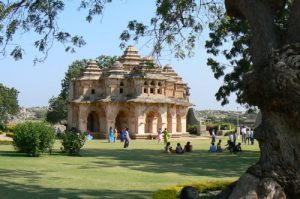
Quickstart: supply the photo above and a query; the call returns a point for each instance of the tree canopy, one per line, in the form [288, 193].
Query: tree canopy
[8, 103]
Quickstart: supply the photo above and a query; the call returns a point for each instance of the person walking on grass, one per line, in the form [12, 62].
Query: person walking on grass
[166, 136]
[122, 133]
[127, 138]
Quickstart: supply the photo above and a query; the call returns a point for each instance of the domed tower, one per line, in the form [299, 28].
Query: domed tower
[130, 59]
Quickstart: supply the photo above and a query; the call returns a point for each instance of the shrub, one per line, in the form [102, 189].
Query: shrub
[192, 129]
[202, 187]
[33, 138]
[226, 125]
[72, 142]
[2, 127]
[10, 127]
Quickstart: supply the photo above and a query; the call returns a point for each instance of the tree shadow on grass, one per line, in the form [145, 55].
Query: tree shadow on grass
[13, 190]
[198, 163]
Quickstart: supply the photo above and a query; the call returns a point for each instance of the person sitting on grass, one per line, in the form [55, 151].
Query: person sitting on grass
[219, 147]
[237, 148]
[230, 146]
[188, 147]
[168, 148]
[179, 149]
[212, 148]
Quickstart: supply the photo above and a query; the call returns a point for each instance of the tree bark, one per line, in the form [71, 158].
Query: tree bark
[273, 85]
[261, 20]
[276, 91]
[293, 35]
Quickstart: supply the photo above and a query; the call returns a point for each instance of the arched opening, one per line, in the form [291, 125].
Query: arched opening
[93, 122]
[153, 122]
[122, 120]
[178, 126]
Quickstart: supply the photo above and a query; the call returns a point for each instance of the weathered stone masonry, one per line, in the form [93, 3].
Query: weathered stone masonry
[136, 93]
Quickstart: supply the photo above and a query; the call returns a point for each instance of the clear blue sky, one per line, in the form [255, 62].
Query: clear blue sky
[37, 84]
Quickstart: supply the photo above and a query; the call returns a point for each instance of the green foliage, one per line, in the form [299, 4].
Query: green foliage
[176, 24]
[38, 16]
[191, 129]
[221, 31]
[105, 61]
[57, 110]
[10, 127]
[40, 114]
[2, 127]
[72, 142]
[75, 70]
[225, 125]
[58, 105]
[33, 138]
[8, 103]
[202, 187]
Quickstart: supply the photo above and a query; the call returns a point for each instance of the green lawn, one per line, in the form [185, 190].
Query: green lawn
[108, 171]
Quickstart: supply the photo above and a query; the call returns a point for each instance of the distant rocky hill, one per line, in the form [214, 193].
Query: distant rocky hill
[32, 113]
[227, 116]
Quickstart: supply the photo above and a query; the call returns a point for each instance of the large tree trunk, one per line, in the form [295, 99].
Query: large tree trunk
[274, 86]
[276, 91]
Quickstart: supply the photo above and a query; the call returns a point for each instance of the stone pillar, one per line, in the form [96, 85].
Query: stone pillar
[82, 117]
[111, 114]
[154, 125]
[140, 124]
[183, 124]
[182, 112]
[174, 123]
[164, 117]
[140, 117]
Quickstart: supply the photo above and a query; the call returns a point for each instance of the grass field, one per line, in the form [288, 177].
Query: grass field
[108, 171]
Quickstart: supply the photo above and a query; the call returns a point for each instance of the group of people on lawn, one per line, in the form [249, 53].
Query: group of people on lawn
[179, 150]
[168, 148]
[231, 144]
[124, 136]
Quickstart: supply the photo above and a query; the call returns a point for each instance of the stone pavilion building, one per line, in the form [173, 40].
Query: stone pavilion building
[135, 92]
